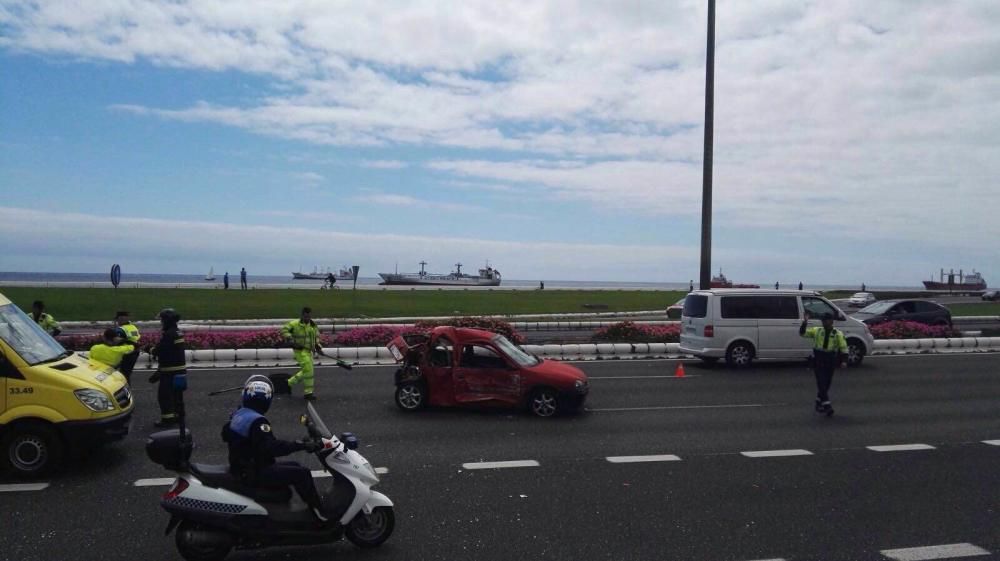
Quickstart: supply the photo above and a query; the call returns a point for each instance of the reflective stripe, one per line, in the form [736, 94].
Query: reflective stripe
[173, 368]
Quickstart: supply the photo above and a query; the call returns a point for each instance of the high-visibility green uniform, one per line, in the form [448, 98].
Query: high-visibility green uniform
[304, 337]
[110, 355]
[835, 343]
[47, 322]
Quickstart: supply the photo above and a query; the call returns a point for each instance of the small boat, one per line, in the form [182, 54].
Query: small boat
[211, 274]
[488, 276]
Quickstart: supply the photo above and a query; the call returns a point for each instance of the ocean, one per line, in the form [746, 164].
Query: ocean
[133, 280]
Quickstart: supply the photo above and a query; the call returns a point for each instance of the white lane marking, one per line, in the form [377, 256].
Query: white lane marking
[318, 473]
[900, 447]
[18, 487]
[776, 453]
[666, 408]
[948, 551]
[154, 481]
[668, 377]
[636, 459]
[775, 559]
[497, 465]
[992, 442]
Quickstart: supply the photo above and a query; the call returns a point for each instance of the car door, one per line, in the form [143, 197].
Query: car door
[483, 374]
[905, 311]
[439, 366]
[777, 326]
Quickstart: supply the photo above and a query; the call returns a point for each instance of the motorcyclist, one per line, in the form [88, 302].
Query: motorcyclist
[253, 447]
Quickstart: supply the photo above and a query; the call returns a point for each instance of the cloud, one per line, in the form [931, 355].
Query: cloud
[389, 199]
[308, 177]
[384, 164]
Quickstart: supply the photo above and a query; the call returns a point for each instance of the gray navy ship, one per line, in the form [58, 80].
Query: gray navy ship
[488, 276]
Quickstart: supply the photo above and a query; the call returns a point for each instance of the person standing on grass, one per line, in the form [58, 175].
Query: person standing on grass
[132, 338]
[243, 278]
[225, 281]
[303, 334]
[44, 320]
[829, 352]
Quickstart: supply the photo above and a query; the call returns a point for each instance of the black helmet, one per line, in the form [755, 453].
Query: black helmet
[169, 315]
[257, 393]
[827, 316]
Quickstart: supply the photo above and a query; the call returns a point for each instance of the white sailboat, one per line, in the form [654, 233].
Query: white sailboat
[211, 274]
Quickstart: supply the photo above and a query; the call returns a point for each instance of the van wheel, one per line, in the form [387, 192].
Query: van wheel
[855, 353]
[739, 354]
[31, 449]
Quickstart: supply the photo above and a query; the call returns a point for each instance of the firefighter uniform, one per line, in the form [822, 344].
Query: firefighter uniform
[170, 356]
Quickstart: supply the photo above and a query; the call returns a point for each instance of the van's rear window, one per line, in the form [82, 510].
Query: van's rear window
[695, 306]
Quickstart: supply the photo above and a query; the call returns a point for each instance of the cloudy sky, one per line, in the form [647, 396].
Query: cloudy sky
[854, 140]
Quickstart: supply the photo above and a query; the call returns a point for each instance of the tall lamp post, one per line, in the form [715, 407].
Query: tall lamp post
[705, 281]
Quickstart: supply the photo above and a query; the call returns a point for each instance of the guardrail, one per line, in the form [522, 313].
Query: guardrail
[229, 358]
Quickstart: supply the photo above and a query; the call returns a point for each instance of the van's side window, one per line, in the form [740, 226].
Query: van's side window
[759, 307]
[817, 307]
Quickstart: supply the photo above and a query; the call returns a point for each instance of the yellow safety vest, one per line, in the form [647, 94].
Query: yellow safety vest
[112, 356]
[835, 343]
[303, 335]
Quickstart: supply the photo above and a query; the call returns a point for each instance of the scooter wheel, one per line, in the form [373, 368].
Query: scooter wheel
[198, 543]
[371, 530]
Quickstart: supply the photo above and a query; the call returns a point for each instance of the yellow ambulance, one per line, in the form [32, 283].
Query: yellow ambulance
[52, 400]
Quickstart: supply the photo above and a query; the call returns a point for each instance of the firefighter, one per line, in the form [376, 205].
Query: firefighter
[169, 353]
[303, 334]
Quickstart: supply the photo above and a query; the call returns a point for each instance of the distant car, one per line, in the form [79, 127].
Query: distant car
[861, 299]
[992, 295]
[674, 312]
[462, 367]
[921, 311]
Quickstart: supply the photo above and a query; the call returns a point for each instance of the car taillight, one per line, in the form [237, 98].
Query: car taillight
[179, 487]
[709, 331]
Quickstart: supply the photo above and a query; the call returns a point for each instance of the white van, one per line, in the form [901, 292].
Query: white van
[741, 325]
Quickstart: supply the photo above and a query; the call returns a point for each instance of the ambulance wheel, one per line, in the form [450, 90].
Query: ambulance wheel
[31, 449]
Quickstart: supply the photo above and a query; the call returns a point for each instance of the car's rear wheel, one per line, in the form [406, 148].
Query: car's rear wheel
[544, 402]
[855, 353]
[740, 354]
[411, 396]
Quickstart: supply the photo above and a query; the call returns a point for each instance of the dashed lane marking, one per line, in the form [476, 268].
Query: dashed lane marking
[948, 551]
[637, 459]
[154, 482]
[900, 447]
[19, 487]
[672, 407]
[500, 465]
[992, 442]
[776, 453]
[666, 376]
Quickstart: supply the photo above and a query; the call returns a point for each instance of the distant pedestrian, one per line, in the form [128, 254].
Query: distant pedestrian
[303, 334]
[132, 337]
[112, 350]
[330, 281]
[225, 281]
[169, 353]
[243, 278]
[862, 287]
[44, 320]
[800, 285]
[541, 285]
[691, 286]
[829, 352]
[776, 286]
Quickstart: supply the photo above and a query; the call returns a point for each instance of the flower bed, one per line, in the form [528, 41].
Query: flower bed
[631, 332]
[489, 324]
[912, 330]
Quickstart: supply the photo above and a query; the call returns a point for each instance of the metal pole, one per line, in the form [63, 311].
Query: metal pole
[706, 185]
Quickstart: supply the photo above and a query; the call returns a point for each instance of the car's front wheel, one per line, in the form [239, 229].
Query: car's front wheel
[411, 396]
[544, 402]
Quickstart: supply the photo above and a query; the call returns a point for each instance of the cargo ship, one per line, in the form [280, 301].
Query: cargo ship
[344, 274]
[972, 281]
[488, 276]
[720, 281]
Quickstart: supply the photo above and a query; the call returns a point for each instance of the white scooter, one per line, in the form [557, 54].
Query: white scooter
[213, 512]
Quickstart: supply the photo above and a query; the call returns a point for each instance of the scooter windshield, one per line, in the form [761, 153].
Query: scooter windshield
[317, 422]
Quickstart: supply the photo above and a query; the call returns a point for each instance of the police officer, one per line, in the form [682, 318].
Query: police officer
[253, 447]
[169, 353]
[132, 338]
[829, 351]
[44, 320]
[113, 350]
[303, 334]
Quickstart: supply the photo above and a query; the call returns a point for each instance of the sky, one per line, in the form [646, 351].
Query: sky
[855, 141]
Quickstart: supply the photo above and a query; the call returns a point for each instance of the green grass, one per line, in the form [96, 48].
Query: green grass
[67, 304]
[984, 309]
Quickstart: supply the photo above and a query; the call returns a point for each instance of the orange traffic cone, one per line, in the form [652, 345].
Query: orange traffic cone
[679, 373]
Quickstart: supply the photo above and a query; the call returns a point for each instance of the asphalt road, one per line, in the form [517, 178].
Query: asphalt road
[842, 500]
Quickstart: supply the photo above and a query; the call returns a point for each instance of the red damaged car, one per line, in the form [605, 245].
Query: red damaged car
[455, 366]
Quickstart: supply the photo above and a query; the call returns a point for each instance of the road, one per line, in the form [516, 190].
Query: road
[837, 500]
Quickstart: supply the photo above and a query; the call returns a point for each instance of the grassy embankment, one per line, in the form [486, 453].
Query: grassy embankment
[68, 304]
[984, 309]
